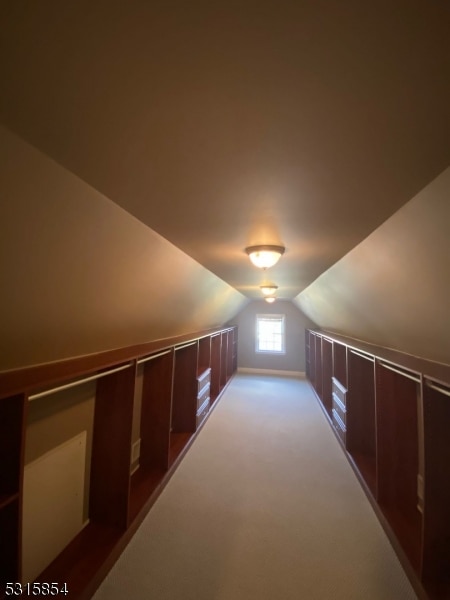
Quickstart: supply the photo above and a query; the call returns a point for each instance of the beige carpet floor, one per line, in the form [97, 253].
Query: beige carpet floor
[263, 506]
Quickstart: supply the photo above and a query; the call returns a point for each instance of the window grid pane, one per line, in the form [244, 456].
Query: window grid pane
[270, 333]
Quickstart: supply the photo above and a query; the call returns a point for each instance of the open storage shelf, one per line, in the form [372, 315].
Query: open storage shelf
[164, 409]
[204, 355]
[154, 428]
[234, 357]
[327, 374]
[144, 482]
[312, 358]
[318, 366]
[230, 351]
[361, 436]
[223, 358]
[340, 363]
[216, 349]
[436, 546]
[110, 462]
[391, 412]
[178, 443]
[9, 547]
[308, 336]
[399, 467]
[11, 461]
[84, 559]
[184, 398]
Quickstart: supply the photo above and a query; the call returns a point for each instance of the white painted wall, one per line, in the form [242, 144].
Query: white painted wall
[393, 289]
[296, 323]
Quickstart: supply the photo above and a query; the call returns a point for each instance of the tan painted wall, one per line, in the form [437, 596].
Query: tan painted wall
[393, 289]
[80, 275]
[295, 324]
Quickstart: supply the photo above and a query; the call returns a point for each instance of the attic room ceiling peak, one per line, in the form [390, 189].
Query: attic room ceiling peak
[336, 114]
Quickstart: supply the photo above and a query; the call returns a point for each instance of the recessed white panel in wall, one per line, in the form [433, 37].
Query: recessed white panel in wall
[52, 504]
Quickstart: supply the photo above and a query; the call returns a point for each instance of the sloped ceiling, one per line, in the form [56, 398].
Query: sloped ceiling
[81, 275]
[393, 289]
[220, 125]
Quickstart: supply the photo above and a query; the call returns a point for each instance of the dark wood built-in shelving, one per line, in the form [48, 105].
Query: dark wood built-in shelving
[400, 470]
[318, 366]
[391, 413]
[340, 363]
[12, 412]
[436, 530]
[327, 373]
[361, 425]
[216, 351]
[184, 389]
[312, 358]
[180, 378]
[223, 358]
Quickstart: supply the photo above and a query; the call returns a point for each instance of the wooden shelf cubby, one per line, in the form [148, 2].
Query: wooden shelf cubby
[391, 413]
[110, 462]
[312, 358]
[230, 349]
[10, 535]
[340, 363]
[318, 366]
[436, 530]
[155, 414]
[327, 374]
[184, 391]
[400, 469]
[308, 336]
[223, 358]
[234, 358]
[361, 425]
[215, 366]
[12, 411]
[204, 354]
[140, 416]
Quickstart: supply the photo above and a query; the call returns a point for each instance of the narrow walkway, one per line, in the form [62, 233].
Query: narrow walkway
[263, 507]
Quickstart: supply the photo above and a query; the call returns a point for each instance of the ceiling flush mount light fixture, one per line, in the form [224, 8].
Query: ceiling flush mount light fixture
[264, 256]
[270, 299]
[268, 290]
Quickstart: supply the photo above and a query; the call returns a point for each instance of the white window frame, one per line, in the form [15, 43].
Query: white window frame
[271, 317]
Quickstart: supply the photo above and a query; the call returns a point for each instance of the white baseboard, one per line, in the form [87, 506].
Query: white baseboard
[271, 372]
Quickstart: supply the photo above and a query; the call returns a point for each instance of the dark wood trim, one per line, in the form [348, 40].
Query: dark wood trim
[34, 378]
[411, 574]
[118, 501]
[112, 550]
[429, 368]
[12, 423]
[111, 449]
[184, 395]
[327, 373]
[397, 441]
[156, 412]
[215, 366]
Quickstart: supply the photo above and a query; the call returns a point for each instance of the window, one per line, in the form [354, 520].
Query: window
[270, 334]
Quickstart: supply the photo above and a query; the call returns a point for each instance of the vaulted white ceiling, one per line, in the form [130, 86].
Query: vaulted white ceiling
[221, 125]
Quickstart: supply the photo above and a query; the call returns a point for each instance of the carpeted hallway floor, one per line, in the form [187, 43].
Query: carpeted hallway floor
[263, 506]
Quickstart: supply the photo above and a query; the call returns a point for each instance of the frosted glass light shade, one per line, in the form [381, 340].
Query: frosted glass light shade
[264, 256]
[268, 290]
[269, 299]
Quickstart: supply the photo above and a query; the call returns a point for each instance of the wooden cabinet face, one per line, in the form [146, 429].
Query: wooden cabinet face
[392, 413]
[176, 379]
